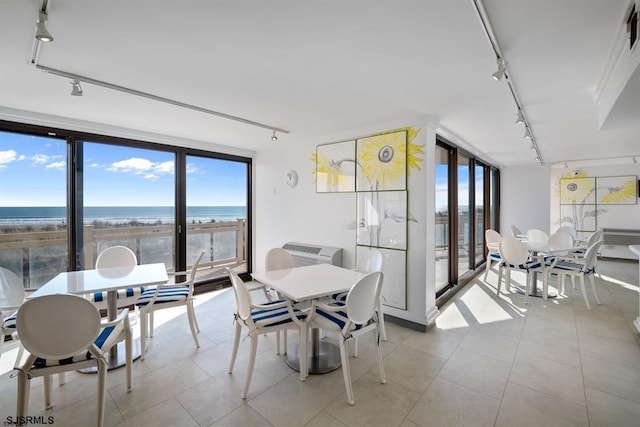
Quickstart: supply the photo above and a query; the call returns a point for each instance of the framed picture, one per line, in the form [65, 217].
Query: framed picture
[336, 167]
[617, 190]
[582, 217]
[576, 191]
[382, 162]
[382, 219]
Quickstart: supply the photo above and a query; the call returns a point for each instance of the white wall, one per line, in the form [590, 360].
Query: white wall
[300, 214]
[524, 198]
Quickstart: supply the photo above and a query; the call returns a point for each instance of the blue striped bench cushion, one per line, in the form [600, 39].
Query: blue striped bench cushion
[166, 294]
[266, 317]
[106, 336]
[100, 297]
[10, 322]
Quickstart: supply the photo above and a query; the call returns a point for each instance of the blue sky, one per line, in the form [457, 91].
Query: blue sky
[33, 173]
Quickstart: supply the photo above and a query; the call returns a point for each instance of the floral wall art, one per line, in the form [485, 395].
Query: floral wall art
[376, 167]
[617, 190]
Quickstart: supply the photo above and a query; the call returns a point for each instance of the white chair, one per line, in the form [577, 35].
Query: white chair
[358, 316]
[516, 232]
[570, 230]
[558, 245]
[113, 257]
[12, 294]
[574, 268]
[63, 333]
[579, 251]
[537, 237]
[167, 296]
[274, 316]
[515, 256]
[492, 239]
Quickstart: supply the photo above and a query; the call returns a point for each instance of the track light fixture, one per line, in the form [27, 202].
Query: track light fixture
[527, 134]
[635, 159]
[520, 117]
[41, 31]
[76, 89]
[502, 68]
[273, 136]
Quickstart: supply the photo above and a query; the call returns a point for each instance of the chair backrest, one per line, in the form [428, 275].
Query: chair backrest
[569, 229]
[492, 238]
[373, 262]
[116, 256]
[560, 240]
[194, 269]
[57, 326]
[515, 231]
[11, 290]
[591, 256]
[363, 298]
[278, 259]
[597, 235]
[513, 251]
[537, 236]
[243, 298]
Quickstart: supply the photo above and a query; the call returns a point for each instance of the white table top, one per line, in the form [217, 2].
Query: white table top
[104, 279]
[309, 282]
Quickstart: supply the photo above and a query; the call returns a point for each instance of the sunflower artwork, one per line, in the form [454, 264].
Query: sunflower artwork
[617, 190]
[382, 161]
[335, 167]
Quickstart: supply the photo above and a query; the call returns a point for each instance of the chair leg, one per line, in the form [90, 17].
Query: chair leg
[143, 333]
[236, 342]
[561, 280]
[499, 281]
[102, 379]
[355, 347]
[128, 349]
[584, 292]
[284, 341]
[303, 346]
[383, 328]
[593, 286]
[545, 285]
[346, 371]
[23, 395]
[378, 344]
[150, 314]
[277, 342]
[191, 315]
[252, 361]
[488, 267]
[47, 391]
[60, 379]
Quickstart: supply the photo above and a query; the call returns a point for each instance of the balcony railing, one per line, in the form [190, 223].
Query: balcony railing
[40, 255]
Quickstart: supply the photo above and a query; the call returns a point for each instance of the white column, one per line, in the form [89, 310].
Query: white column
[636, 250]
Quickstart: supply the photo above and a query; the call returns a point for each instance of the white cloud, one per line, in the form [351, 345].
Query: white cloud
[164, 167]
[40, 159]
[8, 157]
[192, 168]
[144, 167]
[57, 165]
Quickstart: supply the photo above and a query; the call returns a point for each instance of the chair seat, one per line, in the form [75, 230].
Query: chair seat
[340, 297]
[266, 317]
[529, 265]
[572, 266]
[10, 322]
[100, 342]
[496, 256]
[99, 297]
[339, 318]
[165, 295]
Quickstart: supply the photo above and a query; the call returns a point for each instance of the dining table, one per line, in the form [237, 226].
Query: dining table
[107, 280]
[308, 283]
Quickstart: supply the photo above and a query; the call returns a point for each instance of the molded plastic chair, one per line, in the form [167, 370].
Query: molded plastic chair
[357, 317]
[63, 333]
[12, 294]
[274, 316]
[574, 268]
[559, 245]
[492, 239]
[516, 232]
[112, 257]
[515, 256]
[570, 230]
[537, 237]
[166, 296]
[276, 259]
[579, 251]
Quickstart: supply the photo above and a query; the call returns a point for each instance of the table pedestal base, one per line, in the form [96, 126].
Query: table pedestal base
[326, 360]
[536, 292]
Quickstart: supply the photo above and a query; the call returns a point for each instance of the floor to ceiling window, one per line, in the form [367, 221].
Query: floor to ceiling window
[165, 203]
[466, 205]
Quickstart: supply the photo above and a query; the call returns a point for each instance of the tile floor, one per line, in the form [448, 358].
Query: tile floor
[486, 361]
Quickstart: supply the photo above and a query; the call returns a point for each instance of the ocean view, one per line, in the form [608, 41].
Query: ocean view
[118, 214]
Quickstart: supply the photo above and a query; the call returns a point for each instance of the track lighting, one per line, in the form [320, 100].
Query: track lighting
[41, 31]
[635, 159]
[502, 68]
[76, 89]
[273, 136]
[520, 117]
[527, 134]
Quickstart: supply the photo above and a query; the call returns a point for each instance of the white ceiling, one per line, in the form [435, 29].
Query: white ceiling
[326, 68]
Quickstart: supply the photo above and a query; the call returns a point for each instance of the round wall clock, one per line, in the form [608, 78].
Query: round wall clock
[292, 178]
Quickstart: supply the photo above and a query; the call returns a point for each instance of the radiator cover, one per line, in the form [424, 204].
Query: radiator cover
[309, 254]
